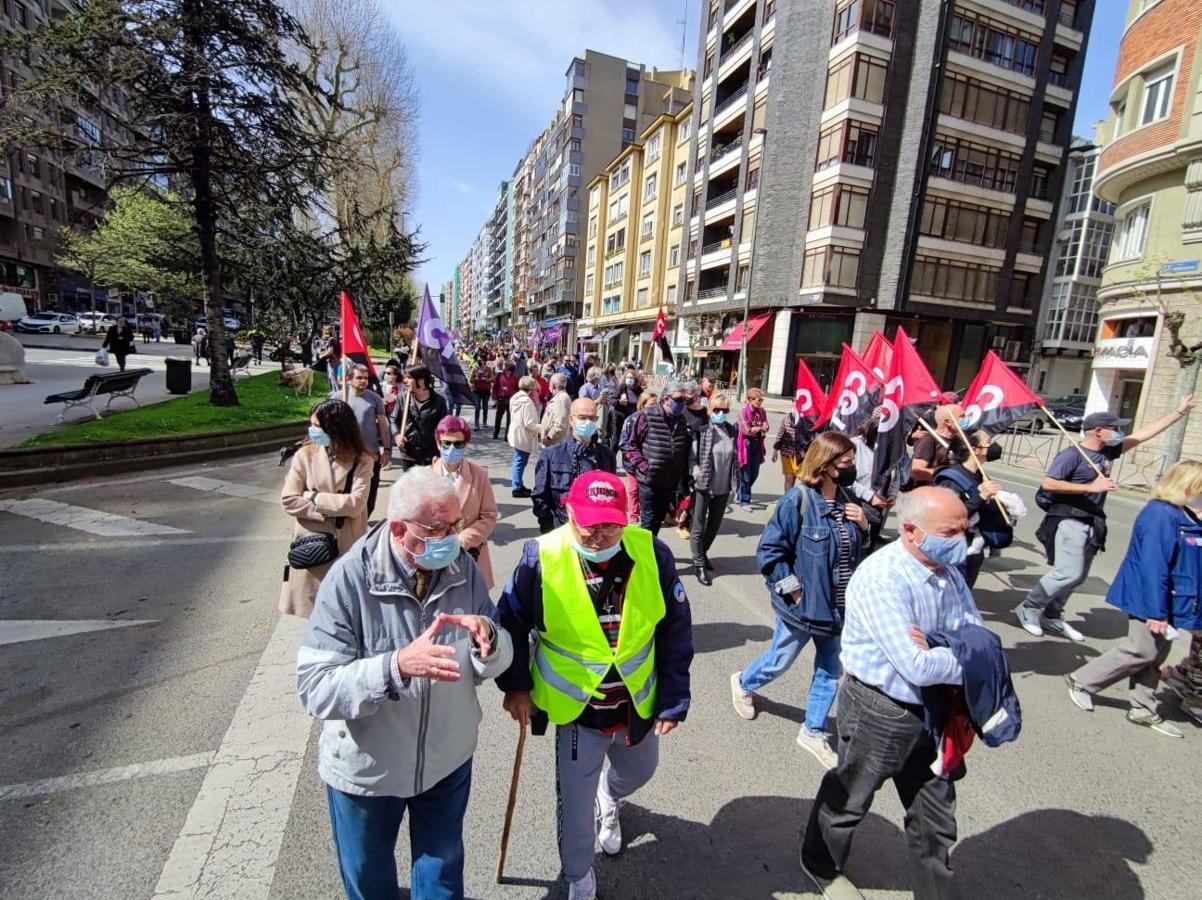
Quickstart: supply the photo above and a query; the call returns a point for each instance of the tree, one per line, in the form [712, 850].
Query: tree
[213, 102]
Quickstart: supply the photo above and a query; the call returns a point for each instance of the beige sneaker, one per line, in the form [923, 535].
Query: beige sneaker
[1153, 721]
[584, 889]
[837, 888]
[819, 745]
[744, 701]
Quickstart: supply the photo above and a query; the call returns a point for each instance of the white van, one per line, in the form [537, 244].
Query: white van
[12, 309]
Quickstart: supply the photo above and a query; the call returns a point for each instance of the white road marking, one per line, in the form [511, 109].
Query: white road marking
[107, 546]
[229, 488]
[104, 776]
[157, 476]
[231, 839]
[80, 518]
[16, 631]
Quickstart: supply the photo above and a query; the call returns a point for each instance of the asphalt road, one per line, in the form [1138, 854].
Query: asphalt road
[154, 747]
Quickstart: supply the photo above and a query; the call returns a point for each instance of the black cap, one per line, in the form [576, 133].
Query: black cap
[1103, 420]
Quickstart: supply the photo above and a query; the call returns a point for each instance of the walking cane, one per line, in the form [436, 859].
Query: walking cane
[513, 798]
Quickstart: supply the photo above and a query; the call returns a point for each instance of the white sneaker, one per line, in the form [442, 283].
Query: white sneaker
[819, 746]
[584, 889]
[609, 829]
[1083, 699]
[744, 701]
[1063, 629]
[1030, 619]
[1153, 721]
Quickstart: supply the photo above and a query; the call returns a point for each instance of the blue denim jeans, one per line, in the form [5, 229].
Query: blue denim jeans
[520, 458]
[749, 473]
[787, 644]
[365, 833]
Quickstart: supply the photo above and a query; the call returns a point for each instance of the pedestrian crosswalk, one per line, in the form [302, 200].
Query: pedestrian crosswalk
[80, 518]
[229, 488]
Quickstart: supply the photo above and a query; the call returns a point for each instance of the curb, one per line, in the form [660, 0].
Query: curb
[42, 465]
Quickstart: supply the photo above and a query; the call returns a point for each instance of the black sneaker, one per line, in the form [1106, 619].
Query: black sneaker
[522, 492]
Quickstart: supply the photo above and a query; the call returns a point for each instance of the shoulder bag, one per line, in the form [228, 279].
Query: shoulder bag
[319, 548]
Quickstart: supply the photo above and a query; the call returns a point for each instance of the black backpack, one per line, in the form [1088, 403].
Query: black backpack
[993, 528]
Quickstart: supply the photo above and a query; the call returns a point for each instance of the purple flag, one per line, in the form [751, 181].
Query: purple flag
[437, 349]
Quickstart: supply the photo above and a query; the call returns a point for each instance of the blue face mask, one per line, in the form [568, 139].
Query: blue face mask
[597, 556]
[678, 405]
[585, 429]
[1116, 438]
[439, 552]
[452, 455]
[718, 417]
[947, 551]
[318, 437]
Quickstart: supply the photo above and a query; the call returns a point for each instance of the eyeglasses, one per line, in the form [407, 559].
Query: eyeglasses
[441, 529]
[585, 418]
[721, 409]
[458, 445]
[607, 530]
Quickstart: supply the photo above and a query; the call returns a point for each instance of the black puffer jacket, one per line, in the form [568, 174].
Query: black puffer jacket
[419, 429]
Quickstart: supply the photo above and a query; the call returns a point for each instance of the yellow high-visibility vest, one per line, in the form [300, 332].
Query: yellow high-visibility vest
[573, 655]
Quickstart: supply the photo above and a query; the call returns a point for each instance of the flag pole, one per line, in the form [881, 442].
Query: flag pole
[933, 433]
[980, 465]
[1085, 456]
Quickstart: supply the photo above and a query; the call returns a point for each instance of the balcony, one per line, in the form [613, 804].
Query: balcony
[716, 245]
[734, 48]
[714, 292]
[719, 153]
[721, 198]
[731, 100]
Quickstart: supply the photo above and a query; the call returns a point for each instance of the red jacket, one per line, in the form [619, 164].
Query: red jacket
[505, 386]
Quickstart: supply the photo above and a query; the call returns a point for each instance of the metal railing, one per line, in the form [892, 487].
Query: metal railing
[719, 153]
[730, 101]
[1035, 450]
[710, 293]
[736, 47]
[721, 198]
[723, 244]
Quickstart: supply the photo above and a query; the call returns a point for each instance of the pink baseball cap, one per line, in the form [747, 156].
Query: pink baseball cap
[598, 498]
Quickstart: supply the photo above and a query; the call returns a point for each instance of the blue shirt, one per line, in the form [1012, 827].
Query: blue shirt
[889, 592]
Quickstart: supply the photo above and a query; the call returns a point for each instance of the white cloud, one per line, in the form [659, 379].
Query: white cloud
[519, 50]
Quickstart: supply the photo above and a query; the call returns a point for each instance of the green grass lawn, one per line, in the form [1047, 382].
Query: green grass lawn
[263, 402]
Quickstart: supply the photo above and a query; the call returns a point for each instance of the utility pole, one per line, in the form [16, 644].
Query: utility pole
[741, 378]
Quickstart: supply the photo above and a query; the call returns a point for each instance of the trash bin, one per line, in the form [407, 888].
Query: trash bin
[179, 375]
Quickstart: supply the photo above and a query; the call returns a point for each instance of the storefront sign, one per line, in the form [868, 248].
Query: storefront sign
[27, 293]
[1123, 353]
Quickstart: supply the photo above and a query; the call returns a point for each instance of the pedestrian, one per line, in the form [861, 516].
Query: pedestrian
[591, 389]
[483, 376]
[503, 388]
[159, 325]
[610, 668]
[707, 387]
[200, 346]
[257, 340]
[426, 409]
[391, 389]
[792, 438]
[525, 434]
[753, 425]
[1157, 587]
[656, 451]
[807, 554]
[902, 592]
[1185, 679]
[697, 420]
[556, 422]
[146, 329]
[931, 453]
[325, 491]
[1074, 525]
[372, 416]
[569, 368]
[623, 405]
[401, 636]
[472, 486]
[544, 380]
[119, 341]
[562, 464]
[987, 529]
[715, 474]
[633, 509]
[876, 504]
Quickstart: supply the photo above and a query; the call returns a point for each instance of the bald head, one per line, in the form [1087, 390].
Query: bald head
[584, 408]
[932, 511]
[584, 419]
[948, 414]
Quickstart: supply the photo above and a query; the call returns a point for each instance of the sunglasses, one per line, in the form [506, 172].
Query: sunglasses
[721, 409]
[458, 445]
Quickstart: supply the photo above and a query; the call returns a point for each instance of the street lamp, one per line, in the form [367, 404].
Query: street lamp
[741, 378]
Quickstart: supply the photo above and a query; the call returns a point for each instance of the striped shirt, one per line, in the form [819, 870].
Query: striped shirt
[889, 592]
[607, 588]
[841, 529]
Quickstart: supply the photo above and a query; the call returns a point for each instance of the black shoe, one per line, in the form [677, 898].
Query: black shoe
[522, 492]
[709, 565]
[704, 576]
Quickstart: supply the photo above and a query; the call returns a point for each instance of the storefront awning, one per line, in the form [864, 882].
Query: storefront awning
[611, 334]
[734, 340]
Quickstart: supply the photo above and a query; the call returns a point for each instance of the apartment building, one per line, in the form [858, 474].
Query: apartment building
[635, 228]
[40, 192]
[1150, 168]
[500, 259]
[607, 103]
[1068, 314]
[860, 164]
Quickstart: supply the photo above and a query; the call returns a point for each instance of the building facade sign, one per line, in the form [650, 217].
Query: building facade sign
[1123, 353]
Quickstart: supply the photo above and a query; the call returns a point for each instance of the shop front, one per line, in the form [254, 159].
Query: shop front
[1122, 357]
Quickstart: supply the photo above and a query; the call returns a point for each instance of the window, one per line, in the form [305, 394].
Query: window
[678, 214]
[643, 297]
[33, 165]
[39, 233]
[1158, 95]
[681, 173]
[589, 283]
[87, 130]
[972, 100]
[577, 95]
[671, 293]
[21, 14]
[953, 280]
[614, 184]
[951, 220]
[624, 173]
[753, 178]
[875, 16]
[974, 164]
[648, 225]
[653, 148]
[592, 255]
[674, 256]
[644, 264]
[996, 43]
[1130, 233]
[35, 201]
[1049, 126]
[850, 142]
[840, 204]
[615, 241]
[650, 186]
[6, 188]
[833, 266]
[686, 129]
[592, 227]
[574, 145]
[859, 76]
[1072, 313]
[1120, 113]
[611, 304]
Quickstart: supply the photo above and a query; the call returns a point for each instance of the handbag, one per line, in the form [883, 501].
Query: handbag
[320, 548]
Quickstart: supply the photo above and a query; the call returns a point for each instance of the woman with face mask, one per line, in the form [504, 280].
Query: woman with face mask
[753, 425]
[325, 491]
[623, 403]
[986, 527]
[715, 475]
[453, 436]
[811, 546]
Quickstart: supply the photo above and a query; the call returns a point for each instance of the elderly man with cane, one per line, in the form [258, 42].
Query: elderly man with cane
[402, 632]
[610, 666]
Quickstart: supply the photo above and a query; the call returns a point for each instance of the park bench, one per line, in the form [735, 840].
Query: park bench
[240, 364]
[115, 384]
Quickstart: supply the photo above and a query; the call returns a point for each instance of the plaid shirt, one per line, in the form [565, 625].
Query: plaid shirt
[889, 592]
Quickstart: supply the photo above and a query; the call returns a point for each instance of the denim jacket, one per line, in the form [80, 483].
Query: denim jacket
[799, 551]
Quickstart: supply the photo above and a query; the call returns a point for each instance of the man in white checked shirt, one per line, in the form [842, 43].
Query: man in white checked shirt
[908, 589]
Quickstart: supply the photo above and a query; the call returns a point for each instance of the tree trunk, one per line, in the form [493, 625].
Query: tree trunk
[1187, 383]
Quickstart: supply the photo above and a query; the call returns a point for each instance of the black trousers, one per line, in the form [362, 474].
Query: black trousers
[881, 740]
[502, 411]
[654, 503]
[120, 360]
[374, 490]
[481, 409]
[708, 512]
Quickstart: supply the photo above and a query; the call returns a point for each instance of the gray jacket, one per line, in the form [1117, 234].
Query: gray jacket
[383, 736]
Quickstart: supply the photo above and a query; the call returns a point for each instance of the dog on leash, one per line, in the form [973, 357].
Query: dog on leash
[299, 378]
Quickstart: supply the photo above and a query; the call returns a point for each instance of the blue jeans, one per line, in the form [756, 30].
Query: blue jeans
[365, 833]
[749, 473]
[520, 458]
[787, 643]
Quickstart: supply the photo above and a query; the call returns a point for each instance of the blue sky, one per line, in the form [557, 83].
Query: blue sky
[491, 72]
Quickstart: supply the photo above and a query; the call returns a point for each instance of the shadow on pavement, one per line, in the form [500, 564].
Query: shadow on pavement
[1048, 656]
[710, 637]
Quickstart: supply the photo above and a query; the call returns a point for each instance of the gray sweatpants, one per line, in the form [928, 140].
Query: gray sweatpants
[1137, 658]
[579, 756]
[1074, 555]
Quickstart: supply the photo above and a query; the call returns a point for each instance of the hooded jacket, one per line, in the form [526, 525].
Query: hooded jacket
[382, 736]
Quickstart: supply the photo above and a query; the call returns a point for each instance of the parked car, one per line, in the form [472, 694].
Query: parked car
[1069, 411]
[49, 323]
[97, 321]
[230, 323]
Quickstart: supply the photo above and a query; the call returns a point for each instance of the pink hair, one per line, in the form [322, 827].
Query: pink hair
[451, 424]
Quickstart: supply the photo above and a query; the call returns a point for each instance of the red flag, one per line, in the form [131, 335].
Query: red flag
[879, 355]
[851, 398]
[808, 399]
[909, 392]
[659, 335]
[354, 345]
[997, 397]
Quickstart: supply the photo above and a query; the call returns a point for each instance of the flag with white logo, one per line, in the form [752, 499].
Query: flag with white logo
[438, 351]
[850, 402]
[997, 397]
[808, 398]
[910, 392]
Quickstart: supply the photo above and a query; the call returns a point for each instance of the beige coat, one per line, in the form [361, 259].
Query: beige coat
[556, 425]
[480, 513]
[312, 471]
[524, 432]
